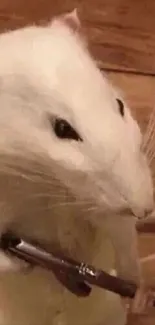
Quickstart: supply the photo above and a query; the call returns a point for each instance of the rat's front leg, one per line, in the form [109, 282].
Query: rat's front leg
[142, 307]
[124, 238]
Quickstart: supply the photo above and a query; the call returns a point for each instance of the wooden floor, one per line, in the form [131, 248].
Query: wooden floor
[122, 39]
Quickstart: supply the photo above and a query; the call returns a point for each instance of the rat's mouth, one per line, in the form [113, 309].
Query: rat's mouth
[75, 276]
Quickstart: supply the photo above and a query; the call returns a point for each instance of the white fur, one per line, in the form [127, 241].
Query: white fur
[47, 71]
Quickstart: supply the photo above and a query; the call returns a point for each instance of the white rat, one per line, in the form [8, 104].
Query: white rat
[71, 170]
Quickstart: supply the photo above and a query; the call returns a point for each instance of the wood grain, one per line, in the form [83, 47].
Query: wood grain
[121, 32]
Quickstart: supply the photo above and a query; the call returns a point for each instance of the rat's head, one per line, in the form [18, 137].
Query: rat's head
[58, 107]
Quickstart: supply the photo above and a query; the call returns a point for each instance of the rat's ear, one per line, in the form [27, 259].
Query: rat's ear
[71, 19]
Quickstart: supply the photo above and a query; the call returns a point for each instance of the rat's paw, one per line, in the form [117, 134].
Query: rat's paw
[9, 264]
[143, 300]
[141, 307]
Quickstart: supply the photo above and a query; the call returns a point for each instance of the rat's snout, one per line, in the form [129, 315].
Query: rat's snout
[140, 189]
[145, 214]
[144, 211]
[145, 200]
[141, 199]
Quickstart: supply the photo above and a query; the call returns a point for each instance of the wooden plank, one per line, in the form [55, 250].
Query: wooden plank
[121, 31]
[147, 227]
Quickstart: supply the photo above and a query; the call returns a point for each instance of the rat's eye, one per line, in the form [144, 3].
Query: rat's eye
[64, 130]
[120, 106]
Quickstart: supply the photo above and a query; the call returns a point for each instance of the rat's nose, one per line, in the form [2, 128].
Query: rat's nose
[145, 214]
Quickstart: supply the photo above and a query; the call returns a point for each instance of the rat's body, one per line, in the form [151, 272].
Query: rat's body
[71, 168]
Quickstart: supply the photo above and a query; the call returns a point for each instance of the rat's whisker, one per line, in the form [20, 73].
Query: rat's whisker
[94, 208]
[149, 130]
[82, 206]
[48, 195]
[151, 158]
[60, 197]
[149, 143]
[29, 177]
